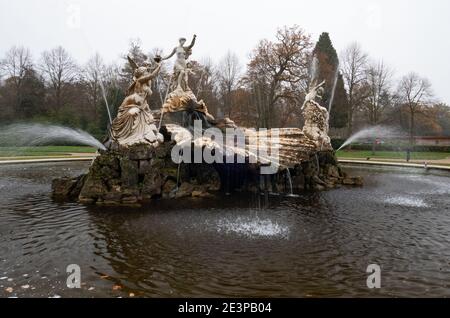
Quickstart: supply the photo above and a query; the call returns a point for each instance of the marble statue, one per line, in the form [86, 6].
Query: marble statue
[132, 171]
[181, 97]
[181, 67]
[316, 118]
[134, 123]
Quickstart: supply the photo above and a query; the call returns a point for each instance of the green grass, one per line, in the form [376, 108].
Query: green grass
[392, 155]
[44, 151]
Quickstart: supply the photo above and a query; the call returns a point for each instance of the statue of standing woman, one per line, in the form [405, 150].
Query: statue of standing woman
[181, 69]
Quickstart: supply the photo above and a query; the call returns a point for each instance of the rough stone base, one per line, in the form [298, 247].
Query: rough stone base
[142, 173]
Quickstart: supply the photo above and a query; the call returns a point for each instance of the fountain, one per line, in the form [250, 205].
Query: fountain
[372, 132]
[333, 89]
[142, 160]
[29, 135]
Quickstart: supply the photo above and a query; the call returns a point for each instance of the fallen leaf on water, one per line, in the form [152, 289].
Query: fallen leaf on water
[117, 287]
[25, 286]
[132, 295]
[9, 290]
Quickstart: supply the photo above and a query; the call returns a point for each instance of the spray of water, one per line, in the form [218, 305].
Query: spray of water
[314, 69]
[165, 99]
[106, 101]
[28, 135]
[291, 189]
[201, 82]
[253, 227]
[333, 91]
[373, 132]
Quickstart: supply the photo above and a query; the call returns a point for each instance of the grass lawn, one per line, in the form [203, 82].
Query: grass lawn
[44, 151]
[392, 155]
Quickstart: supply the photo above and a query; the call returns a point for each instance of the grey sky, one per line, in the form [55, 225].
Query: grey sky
[409, 35]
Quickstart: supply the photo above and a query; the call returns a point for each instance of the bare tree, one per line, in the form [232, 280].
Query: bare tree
[93, 73]
[415, 92]
[14, 66]
[353, 66]
[60, 70]
[279, 70]
[202, 82]
[378, 80]
[137, 54]
[228, 74]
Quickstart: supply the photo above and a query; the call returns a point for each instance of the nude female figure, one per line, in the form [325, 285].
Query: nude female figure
[181, 68]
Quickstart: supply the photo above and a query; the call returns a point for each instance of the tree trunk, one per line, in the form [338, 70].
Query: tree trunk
[350, 121]
[411, 128]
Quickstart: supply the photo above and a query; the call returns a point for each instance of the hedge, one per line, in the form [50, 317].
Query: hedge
[337, 143]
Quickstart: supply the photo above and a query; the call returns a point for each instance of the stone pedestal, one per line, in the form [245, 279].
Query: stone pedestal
[143, 173]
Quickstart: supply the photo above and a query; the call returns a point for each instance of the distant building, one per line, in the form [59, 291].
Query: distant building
[429, 141]
[432, 141]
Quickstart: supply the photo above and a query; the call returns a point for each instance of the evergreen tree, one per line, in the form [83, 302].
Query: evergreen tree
[325, 47]
[328, 66]
[338, 116]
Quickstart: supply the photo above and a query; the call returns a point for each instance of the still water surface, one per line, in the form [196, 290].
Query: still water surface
[318, 244]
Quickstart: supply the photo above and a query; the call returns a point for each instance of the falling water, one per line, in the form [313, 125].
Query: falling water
[106, 101]
[165, 99]
[318, 164]
[252, 228]
[201, 82]
[178, 175]
[373, 132]
[28, 135]
[288, 173]
[179, 171]
[314, 69]
[333, 90]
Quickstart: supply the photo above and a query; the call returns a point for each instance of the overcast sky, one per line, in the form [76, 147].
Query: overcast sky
[409, 35]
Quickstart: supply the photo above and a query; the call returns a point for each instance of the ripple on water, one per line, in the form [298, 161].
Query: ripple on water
[253, 228]
[318, 244]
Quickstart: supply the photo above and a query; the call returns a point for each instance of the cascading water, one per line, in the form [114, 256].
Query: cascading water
[201, 82]
[373, 132]
[333, 90]
[102, 87]
[28, 135]
[289, 177]
[314, 69]
[165, 99]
